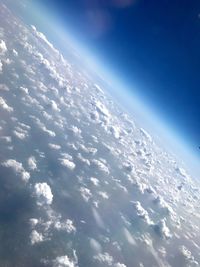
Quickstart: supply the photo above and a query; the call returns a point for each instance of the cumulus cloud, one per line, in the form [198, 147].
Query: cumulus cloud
[101, 166]
[103, 194]
[32, 163]
[115, 131]
[100, 107]
[85, 193]
[33, 222]
[142, 213]
[67, 226]
[187, 256]
[94, 181]
[104, 258]
[36, 237]
[83, 160]
[67, 163]
[18, 168]
[4, 105]
[119, 265]
[20, 133]
[162, 230]
[145, 134]
[3, 48]
[54, 146]
[43, 193]
[63, 261]
[164, 205]
[75, 130]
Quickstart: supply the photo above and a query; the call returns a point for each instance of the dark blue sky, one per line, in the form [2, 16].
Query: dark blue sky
[152, 44]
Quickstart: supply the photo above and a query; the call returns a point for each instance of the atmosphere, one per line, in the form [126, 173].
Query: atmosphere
[152, 45]
[99, 149]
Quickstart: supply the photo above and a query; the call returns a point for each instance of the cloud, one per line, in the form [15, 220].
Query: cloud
[65, 162]
[54, 146]
[104, 258]
[67, 226]
[75, 130]
[43, 193]
[4, 105]
[164, 206]
[85, 193]
[20, 133]
[63, 261]
[32, 163]
[101, 166]
[119, 265]
[162, 230]
[145, 134]
[36, 237]
[83, 160]
[33, 222]
[103, 194]
[94, 181]
[3, 48]
[142, 213]
[17, 167]
[187, 256]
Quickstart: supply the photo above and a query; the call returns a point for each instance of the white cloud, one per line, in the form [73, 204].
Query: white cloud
[33, 222]
[142, 213]
[3, 48]
[95, 181]
[43, 193]
[67, 226]
[4, 105]
[18, 168]
[145, 134]
[115, 131]
[67, 163]
[54, 146]
[32, 163]
[83, 160]
[85, 193]
[187, 256]
[53, 105]
[162, 230]
[75, 130]
[104, 258]
[103, 194]
[101, 166]
[20, 135]
[164, 205]
[119, 265]
[36, 237]
[102, 109]
[63, 261]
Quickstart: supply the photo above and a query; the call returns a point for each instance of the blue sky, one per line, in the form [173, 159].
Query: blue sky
[152, 44]
[152, 47]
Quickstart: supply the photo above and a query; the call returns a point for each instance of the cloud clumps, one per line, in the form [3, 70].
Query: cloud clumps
[42, 192]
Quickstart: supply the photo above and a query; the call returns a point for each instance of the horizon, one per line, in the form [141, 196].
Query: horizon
[148, 114]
